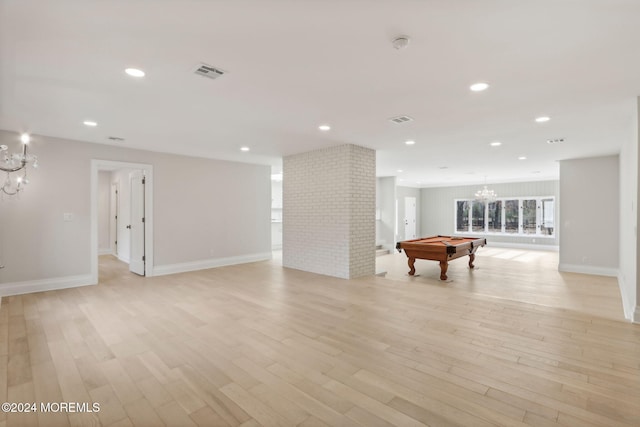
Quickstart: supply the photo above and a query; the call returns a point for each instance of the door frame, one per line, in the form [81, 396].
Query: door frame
[109, 165]
[114, 213]
[137, 266]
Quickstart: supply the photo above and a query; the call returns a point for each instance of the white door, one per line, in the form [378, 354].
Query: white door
[409, 218]
[137, 258]
[113, 219]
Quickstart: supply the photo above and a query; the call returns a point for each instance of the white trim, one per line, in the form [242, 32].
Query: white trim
[105, 251]
[29, 286]
[636, 315]
[627, 305]
[109, 165]
[161, 270]
[530, 246]
[588, 269]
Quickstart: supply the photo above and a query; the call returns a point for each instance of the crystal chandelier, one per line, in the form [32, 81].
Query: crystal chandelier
[16, 162]
[486, 196]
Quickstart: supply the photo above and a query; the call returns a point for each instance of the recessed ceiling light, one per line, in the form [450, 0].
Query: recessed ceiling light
[410, 142]
[400, 170]
[90, 123]
[522, 158]
[542, 119]
[479, 87]
[244, 148]
[134, 72]
[495, 144]
[324, 128]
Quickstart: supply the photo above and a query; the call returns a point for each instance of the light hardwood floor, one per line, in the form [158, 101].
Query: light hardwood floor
[513, 344]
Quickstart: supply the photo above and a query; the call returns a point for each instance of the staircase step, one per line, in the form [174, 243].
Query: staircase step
[380, 252]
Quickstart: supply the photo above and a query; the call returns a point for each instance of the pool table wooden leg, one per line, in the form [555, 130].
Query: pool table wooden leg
[412, 261]
[444, 265]
[471, 258]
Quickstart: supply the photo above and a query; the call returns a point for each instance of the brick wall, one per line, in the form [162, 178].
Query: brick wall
[329, 211]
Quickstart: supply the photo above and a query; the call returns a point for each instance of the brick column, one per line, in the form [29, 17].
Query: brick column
[329, 211]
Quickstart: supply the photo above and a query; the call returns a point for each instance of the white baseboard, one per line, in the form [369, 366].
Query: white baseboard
[627, 306]
[529, 246]
[123, 259]
[161, 270]
[105, 251]
[30, 286]
[636, 315]
[588, 269]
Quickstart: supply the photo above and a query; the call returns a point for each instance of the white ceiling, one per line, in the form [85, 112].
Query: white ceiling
[295, 64]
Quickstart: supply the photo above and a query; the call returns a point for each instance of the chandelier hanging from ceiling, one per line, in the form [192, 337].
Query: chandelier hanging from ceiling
[11, 163]
[486, 196]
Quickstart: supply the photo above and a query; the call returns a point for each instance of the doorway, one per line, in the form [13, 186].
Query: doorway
[134, 225]
[409, 218]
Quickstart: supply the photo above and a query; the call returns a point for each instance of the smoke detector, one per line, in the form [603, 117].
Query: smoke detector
[400, 42]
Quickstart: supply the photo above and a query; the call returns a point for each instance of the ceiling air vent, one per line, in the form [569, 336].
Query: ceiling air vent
[555, 141]
[401, 119]
[205, 70]
[115, 138]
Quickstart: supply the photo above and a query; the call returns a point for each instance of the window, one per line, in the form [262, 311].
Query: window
[477, 217]
[547, 216]
[495, 217]
[529, 217]
[511, 216]
[524, 216]
[462, 216]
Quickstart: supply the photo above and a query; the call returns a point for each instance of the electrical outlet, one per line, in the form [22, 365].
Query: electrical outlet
[68, 217]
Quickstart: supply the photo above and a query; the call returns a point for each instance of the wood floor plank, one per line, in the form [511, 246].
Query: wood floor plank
[262, 413]
[142, 414]
[111, 409]
[46, 389]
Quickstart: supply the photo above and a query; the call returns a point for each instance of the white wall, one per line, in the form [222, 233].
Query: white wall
[386, 208]
[207, 213]
[590, 206]
[329, 211]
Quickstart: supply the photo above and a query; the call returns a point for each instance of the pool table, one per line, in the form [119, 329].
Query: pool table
[440, 248]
